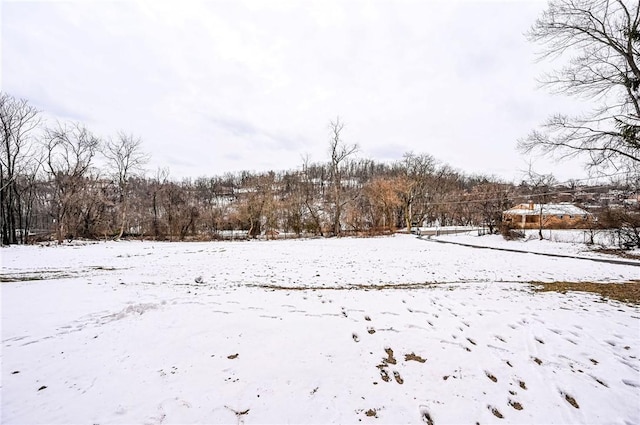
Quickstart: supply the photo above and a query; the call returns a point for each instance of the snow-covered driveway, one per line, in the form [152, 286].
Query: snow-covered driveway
[380, 330]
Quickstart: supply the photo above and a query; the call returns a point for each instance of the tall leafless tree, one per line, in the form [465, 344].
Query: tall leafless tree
[18, 157]
[157, 189]
[339, 153]
[540, 186]
[416, 171]
[601, 41]
[125, 160]
[312, 194]
[70, 149]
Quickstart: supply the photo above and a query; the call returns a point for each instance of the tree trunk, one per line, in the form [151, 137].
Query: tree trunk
[123, 220]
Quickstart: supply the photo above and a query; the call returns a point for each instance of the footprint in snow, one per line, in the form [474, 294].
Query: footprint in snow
[425, 415]
[515, 405]
[495, 412]
[600, 381]
[572, 401]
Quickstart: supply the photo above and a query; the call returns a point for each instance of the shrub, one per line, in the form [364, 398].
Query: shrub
[509, 233]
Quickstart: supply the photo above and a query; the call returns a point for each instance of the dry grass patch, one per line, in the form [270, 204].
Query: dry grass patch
[628, 292]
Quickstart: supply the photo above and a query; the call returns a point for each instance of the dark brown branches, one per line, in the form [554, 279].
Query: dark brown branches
[600, 40]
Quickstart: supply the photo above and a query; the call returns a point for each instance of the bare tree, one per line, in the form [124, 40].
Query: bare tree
[182, 212]
[339, 154]
[623, 225]
[311, 200]
[258, 204]
[69, 153]
[417, 171]
[18, 158]
[26, 189]
[490, 198]
[540, 186]
[602, 41]
[157, 188]
[125, 160]
[382, 196]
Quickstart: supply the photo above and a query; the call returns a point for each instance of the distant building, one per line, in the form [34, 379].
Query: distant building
[554, 216]
[633, 201]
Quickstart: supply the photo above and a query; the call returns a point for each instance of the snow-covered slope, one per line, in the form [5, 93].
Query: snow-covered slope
[381, 330]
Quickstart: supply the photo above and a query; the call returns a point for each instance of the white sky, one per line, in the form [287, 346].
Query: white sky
[222, 86]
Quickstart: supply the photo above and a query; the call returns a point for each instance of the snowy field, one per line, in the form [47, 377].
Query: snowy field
[380, 330]
[561, 242]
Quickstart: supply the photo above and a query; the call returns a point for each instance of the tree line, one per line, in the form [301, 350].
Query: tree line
[51, 186]
[49, 182]
[63, 182]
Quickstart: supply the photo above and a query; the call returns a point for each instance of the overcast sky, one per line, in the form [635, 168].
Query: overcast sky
[220, 86]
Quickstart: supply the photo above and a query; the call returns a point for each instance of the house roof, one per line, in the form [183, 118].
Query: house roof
[564, 208]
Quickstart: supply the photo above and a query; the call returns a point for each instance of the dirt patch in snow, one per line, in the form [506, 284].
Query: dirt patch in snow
[628, 292]
[48, 274]
[413, 356]
[390, 359]
[371, 412]
[352, 287]
[35, 275]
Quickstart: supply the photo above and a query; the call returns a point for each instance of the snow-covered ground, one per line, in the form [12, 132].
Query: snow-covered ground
[379, 330]
[560, 242]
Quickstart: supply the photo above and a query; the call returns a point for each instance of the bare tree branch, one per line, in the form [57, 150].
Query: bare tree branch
[601, 38]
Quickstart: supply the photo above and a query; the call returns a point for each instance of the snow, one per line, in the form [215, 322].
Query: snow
[556, 241]
[547, 209]
[312, 331]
